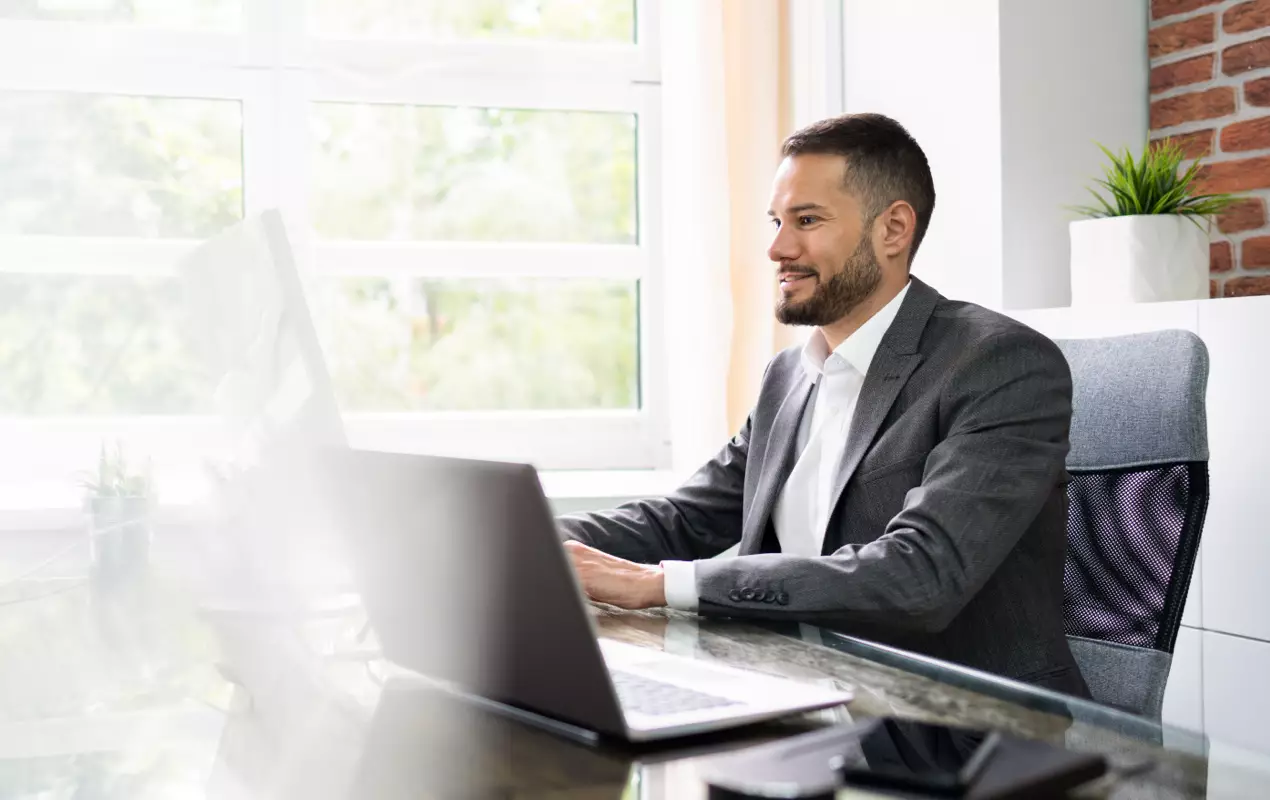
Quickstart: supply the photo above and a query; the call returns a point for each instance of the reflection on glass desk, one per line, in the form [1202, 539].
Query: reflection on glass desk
[144, 691]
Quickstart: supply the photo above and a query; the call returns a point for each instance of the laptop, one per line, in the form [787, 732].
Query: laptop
[465, 581]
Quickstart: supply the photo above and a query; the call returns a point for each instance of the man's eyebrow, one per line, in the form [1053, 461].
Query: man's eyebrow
[798, 209]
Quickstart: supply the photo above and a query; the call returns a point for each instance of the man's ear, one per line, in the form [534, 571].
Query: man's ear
[896, 226]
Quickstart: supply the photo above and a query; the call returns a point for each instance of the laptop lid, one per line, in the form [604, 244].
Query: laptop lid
[464, 580]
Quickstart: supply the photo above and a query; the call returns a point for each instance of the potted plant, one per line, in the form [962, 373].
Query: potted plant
[1147, 239]
[119, 502]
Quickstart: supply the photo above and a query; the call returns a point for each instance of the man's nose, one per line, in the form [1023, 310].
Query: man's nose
[783, 247]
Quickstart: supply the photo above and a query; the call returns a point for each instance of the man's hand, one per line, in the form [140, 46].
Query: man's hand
[615, 581]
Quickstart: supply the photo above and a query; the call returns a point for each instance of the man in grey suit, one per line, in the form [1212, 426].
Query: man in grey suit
[901, 477]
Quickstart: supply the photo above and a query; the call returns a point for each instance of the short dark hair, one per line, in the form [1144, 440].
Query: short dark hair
[884, 163]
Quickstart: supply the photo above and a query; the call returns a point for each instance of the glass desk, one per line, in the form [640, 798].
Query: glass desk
[145, 690]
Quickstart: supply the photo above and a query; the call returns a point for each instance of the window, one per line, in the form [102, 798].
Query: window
[559, 20]
[467, 185]
[211, 14]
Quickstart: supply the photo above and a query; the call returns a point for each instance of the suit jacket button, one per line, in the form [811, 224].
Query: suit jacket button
[769, 596]
[783, 598]
[734, 596]
[747, 594]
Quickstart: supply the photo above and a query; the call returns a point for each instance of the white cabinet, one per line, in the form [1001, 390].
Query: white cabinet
[1087, 323]
[1236, 704]
[1183, 697]
[1236, 562]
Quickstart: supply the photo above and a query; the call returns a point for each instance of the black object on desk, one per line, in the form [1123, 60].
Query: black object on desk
[902, 759]
[917, 756]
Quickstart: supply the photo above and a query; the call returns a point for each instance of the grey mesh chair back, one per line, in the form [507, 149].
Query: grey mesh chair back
[1136, 504]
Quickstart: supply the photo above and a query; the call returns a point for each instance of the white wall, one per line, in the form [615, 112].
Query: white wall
[1007, 98]
[1073, 74]
[933, 66]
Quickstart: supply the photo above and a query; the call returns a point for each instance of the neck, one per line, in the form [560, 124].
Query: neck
[837, 332]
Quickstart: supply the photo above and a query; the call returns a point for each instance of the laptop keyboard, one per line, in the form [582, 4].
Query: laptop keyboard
[653, 697]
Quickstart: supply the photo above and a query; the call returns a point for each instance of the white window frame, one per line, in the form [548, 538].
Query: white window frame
[274, 70]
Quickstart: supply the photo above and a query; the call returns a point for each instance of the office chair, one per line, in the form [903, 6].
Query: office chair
[1136, 504]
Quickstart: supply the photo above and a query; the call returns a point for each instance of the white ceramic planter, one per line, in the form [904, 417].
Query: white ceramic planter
[1139, 259]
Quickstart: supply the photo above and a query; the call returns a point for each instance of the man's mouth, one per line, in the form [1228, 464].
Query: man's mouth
[790, 279]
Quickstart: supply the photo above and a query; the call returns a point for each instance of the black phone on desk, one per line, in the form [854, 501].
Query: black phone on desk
[901, 758]
[920, 757]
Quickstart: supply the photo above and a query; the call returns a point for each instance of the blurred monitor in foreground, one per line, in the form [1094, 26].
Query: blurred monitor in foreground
[252, 326]
[275, 406]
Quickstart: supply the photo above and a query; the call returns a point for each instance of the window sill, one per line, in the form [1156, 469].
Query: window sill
[57, 506]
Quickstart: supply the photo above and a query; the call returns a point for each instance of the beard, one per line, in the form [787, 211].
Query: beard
[835, 298]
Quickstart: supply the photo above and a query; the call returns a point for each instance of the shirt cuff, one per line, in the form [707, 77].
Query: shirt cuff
[681, 584]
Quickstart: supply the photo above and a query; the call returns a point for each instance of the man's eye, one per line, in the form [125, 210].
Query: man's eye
[807, 219]
[775, 222]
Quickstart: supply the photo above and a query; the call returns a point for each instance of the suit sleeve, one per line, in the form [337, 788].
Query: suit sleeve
[1008, 406]
[700, 519]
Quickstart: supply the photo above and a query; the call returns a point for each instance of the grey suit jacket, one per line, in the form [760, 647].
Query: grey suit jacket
[948, 533]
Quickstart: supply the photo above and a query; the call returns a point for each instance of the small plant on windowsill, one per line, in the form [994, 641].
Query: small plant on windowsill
[1147, 237]
[120, 502]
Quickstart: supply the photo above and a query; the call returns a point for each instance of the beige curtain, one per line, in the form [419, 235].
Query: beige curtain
[756, 88]
[725, 110]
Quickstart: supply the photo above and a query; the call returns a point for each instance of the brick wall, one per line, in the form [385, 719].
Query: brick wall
[1210, 91]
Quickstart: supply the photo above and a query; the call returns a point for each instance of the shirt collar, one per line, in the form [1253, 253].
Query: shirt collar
[858, 348]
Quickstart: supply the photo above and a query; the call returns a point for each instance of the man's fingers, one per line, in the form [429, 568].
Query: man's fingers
[576, 550]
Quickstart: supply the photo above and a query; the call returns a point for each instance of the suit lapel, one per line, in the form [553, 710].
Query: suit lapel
[778, 460]
[893, 363]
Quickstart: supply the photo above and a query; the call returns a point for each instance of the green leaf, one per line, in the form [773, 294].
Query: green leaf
[1151, 183]
[114, 478]
[1107, 207]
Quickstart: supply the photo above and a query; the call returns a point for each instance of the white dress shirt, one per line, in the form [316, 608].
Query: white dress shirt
[802, 510]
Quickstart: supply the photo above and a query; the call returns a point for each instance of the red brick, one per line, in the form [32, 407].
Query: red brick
[1252, 134]
[1194, 145]
[1208, 104]
[1184, 35]
[1167, 8]
[1220, 258]
[1257, 93]
[1213, 289]
[1182, 73]
[1234, 176]
[1247, 56]
[1247, 287]
[1243, 215]
[1255, 253]
[1247, 17]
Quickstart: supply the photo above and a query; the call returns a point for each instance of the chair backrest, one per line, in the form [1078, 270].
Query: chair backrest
[1136, 505]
